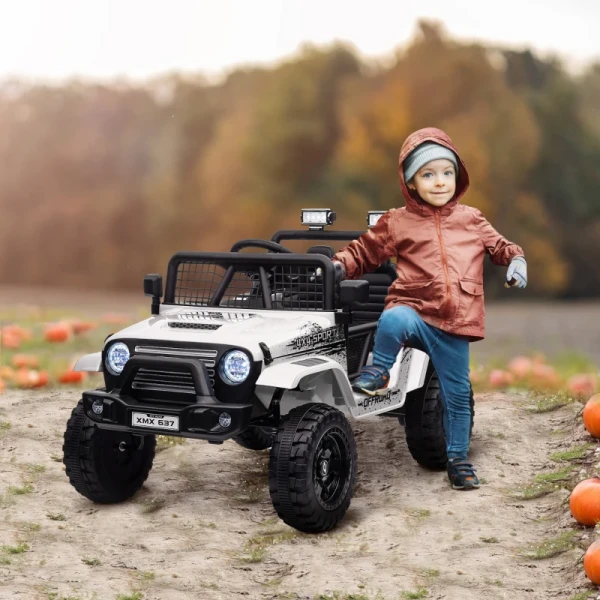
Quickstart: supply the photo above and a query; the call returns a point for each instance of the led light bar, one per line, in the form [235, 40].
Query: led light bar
[373, 216]
[317, 218]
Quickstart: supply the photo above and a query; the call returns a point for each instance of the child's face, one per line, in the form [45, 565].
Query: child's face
[435, 182]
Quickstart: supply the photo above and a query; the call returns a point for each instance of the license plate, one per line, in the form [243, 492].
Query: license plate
[154, 421]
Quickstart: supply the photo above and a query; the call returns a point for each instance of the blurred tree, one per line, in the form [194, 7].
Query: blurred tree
[102, 183]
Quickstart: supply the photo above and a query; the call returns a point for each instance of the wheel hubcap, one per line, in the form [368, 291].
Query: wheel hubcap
[332, 467]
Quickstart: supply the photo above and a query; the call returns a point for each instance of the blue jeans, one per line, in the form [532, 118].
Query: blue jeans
[450, 356]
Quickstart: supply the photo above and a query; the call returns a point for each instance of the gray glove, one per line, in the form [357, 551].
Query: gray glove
[340, 272]
[516, 276]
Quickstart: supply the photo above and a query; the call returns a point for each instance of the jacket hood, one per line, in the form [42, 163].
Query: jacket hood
[430, 134]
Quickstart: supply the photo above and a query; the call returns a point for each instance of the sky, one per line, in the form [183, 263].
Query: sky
[137, 39]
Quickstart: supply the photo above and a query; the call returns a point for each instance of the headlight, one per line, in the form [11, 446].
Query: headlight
[234, 367]
[116, 357]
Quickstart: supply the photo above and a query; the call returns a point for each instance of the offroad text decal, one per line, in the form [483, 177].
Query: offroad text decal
[374, 400]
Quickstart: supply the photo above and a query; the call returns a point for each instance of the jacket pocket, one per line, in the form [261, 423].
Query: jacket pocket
[470, 306]
[424, 296]
[472, 288]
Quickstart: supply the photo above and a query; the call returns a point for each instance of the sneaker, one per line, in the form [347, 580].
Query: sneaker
[462, 474]
[372, 381]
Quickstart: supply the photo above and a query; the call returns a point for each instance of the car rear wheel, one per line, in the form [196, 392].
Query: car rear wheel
[424, 425]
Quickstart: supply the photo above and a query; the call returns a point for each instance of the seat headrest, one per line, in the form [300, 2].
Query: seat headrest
[326, 250]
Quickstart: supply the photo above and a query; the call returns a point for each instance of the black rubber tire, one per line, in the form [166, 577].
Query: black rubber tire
[297, 456]
[256, 438]
[424, 423]
[95, 465]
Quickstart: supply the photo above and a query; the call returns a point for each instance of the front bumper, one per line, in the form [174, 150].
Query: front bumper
[197, 419]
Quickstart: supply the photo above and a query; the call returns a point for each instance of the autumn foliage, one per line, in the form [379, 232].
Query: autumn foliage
[126, 175]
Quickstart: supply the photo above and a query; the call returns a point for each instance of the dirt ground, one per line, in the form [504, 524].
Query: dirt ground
[203, 525]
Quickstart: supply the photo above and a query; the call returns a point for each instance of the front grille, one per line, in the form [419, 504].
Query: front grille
[163, 381]
[184, 325]
[171, 380]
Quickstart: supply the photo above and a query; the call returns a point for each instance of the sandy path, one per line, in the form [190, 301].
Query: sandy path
[406, 528]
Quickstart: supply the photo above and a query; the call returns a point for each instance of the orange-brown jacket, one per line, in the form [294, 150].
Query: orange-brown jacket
[439, 252]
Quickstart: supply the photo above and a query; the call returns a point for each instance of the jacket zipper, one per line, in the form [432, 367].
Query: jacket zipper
[444, 261]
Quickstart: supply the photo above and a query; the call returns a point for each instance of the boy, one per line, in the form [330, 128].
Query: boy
[436, 303]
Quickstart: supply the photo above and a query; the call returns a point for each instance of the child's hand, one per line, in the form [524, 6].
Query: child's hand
[340, 272]
[517, 273]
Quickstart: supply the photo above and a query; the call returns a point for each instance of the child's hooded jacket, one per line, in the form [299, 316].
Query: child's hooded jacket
[439, 252]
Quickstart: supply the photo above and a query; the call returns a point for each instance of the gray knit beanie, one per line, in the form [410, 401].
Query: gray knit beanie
[424, 153]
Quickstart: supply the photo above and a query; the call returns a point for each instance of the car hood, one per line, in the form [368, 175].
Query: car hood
[242, 328]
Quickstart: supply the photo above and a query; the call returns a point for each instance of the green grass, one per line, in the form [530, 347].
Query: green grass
[20, 491]
[132, 596]
[554, 476]
[344, 596]
[36, 469]
[490, 540]
[255, 555]
[551, 546]
[152, 505]
[168, 441]
[4, 426]
[91, 562]
[533, 491]
[31, 527]
[146, 575]
[421, 592]
[256, 547]
[19, 549]
[574, 453]
[571, 363]
[4, 560]
[419, 513]
[583, 596]
[543, 403]
[430, 573]
[56, 517]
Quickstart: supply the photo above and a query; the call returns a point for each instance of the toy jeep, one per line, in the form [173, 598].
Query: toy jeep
[258, 347]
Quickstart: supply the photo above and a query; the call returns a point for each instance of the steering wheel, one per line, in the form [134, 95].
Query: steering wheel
[273, 246]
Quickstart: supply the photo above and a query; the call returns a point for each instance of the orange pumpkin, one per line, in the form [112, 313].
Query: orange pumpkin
[591, 562]
[591, 415]
[42, 379]
[80, 327]
[520, 366]
[25, 360]
[58, 332]
[585, 502]
[7, 373]
[544, 375]
[29, 378]
[10, 340]
[582, 385]
[499, 378]
[2, 386]
[71, 377]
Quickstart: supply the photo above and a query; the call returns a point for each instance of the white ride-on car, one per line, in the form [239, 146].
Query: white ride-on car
[260, 348]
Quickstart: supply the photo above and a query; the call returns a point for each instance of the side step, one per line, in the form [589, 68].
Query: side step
[407, 374]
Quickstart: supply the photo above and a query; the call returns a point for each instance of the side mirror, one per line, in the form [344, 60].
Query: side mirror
[353, 291]
[153, 287]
